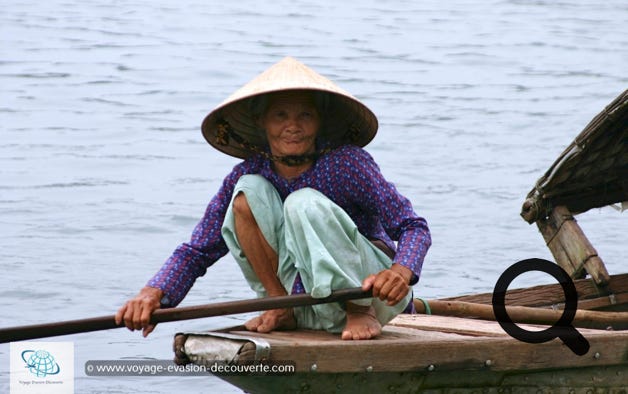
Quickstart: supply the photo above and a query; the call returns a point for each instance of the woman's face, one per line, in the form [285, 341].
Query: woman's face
[291, 121]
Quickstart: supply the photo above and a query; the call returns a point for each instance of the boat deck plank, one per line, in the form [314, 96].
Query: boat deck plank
[416, 342]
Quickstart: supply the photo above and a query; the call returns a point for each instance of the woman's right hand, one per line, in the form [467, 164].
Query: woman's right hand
[136, 313]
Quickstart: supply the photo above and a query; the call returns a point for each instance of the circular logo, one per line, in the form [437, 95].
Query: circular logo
[562, 329]
[40, 363]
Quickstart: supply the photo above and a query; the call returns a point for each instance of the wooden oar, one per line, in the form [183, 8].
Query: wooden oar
[522, 314]
[21, 333]
[519, 314]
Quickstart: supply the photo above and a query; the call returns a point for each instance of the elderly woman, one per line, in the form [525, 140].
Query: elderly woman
[308, 210]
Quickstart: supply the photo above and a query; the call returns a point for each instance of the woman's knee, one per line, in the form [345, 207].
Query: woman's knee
[309, 208]
[241, 207]
[253, 182]
[303, 199]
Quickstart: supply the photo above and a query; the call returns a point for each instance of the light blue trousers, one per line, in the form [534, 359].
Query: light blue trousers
[317, 239]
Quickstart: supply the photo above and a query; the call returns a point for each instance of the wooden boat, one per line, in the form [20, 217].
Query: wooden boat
[448, 354]
[418, 354]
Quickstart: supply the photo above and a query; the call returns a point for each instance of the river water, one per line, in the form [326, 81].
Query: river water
[103, 170]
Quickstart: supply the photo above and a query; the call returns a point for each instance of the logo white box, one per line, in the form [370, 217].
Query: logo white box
[42, 367]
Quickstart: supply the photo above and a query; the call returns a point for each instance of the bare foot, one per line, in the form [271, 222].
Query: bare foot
[361, 323]
[274, 319]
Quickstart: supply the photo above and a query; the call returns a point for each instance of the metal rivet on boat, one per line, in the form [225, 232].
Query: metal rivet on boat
[597, 355]
[431, 367]
[314, 367]
[369, 368]
[488, 363]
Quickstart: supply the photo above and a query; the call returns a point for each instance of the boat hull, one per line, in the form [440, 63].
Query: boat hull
[416, 354]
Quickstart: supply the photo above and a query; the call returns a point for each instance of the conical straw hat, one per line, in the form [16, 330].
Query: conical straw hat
[232, 128]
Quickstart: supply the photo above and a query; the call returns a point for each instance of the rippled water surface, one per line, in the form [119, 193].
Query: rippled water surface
[103, 170]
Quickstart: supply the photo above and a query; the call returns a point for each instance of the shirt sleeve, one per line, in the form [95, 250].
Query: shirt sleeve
[191, 259]
[381, 199]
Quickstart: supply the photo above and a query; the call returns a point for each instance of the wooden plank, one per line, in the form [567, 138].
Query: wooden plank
[449, 325]
[474, 327]
[472, 353]
[548, 295]
[586, 380]
[401, 348]
[301, 339]
[617, 302]
[390, 334]
[524, 314]
[576, 380]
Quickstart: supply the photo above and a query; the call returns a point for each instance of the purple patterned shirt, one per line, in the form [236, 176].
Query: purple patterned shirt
[348, 176]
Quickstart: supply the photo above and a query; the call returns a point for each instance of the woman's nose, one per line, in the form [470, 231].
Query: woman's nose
[292, 124]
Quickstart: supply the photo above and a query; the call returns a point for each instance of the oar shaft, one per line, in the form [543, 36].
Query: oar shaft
[21, 333]
[256, 304]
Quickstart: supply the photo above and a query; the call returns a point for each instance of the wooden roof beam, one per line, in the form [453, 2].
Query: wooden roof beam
[570, 247]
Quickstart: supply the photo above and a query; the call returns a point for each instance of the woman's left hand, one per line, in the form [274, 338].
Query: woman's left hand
[390, 285]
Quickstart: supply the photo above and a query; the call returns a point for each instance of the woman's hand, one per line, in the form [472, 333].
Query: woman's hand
[390, 285]
[136, 312]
